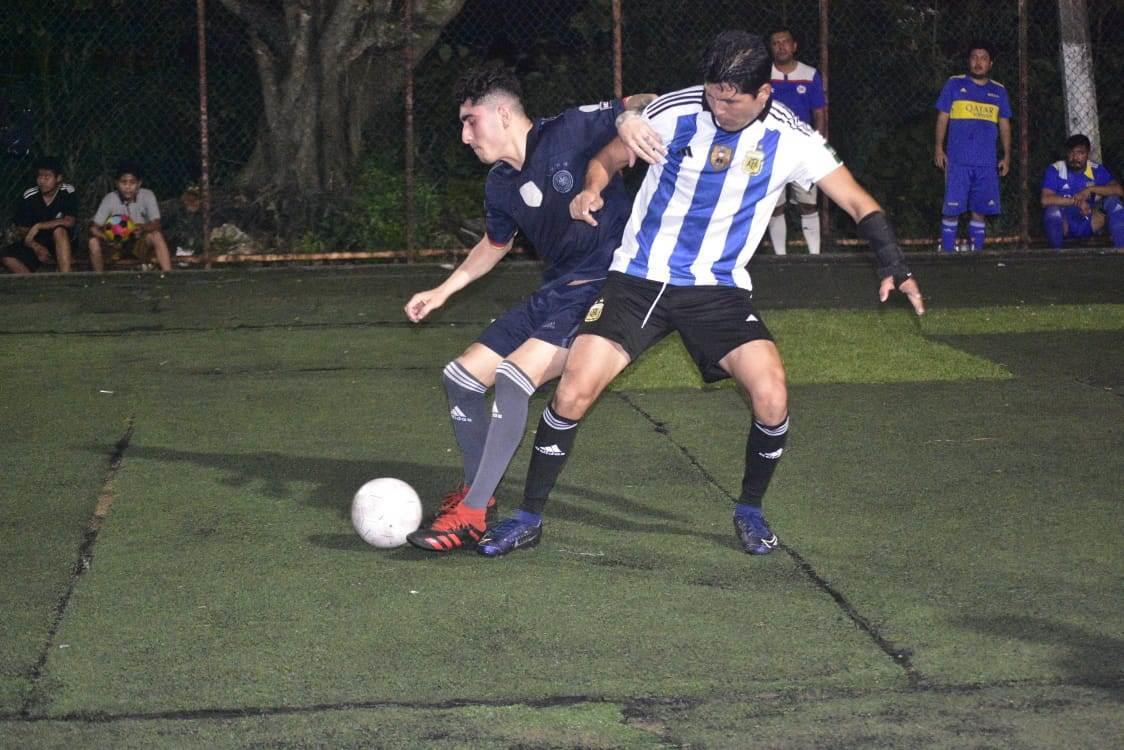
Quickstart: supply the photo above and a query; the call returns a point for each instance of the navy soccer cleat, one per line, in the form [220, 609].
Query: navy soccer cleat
[754, 532]
[509, 535]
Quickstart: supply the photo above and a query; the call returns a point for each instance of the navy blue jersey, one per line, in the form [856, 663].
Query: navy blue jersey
[536, 199]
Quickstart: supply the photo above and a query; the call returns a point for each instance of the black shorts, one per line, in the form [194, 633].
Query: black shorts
[711, 320]
[26, 255]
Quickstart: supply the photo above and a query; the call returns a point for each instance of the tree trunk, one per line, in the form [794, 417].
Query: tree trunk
[326, 69]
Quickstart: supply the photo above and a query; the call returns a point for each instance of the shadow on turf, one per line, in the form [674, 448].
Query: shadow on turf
[1090, 658]
[336, 480]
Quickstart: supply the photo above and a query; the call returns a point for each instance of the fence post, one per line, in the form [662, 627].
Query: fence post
[618, 74]
[1024, 128]
[408, 61]
[204, 132]
[825, 204]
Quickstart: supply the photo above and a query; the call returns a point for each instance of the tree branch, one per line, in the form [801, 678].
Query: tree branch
[262, 20]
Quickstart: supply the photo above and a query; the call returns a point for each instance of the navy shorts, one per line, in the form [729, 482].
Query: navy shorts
[968, 187]
[712, 320]
[552, 314]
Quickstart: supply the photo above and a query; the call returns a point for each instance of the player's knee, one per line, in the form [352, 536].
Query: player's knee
[1113, 204]
[770, 399]
[572, 400]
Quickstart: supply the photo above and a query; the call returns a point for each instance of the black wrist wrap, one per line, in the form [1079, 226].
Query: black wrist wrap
[876, 230]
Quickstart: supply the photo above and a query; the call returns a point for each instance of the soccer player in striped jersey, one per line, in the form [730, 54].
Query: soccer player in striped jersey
[727, 151]
[972, 109]
[538, 167]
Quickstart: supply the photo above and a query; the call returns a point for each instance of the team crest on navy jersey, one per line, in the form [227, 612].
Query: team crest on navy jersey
[720, 157]
[754, 162]
[563, 181]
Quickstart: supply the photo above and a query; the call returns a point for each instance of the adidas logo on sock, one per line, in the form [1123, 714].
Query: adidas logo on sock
[549, 450]
[772, 454]
[459, 415]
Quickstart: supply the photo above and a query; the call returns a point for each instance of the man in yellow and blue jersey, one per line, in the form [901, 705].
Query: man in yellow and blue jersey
[972, 110]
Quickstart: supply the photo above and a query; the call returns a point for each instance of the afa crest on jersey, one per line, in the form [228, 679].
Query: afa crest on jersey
[754, 162]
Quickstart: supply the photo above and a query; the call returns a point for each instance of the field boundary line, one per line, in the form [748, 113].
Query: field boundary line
[634, 706]
[900, 656]
[106, 496]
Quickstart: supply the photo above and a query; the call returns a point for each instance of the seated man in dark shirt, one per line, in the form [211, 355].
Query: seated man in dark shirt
[43, 220]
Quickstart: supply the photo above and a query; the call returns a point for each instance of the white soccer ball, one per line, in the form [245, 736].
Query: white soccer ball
[384, 511]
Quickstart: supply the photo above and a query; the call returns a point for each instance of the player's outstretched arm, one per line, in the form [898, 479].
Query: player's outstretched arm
[481, 259]
[614, 157]
[841, 186]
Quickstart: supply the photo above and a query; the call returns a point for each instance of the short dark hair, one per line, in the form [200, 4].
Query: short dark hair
[480, 82]
[1078, 139]
[739, 59]
[983, 44]
[781, 30]
[126, 167]
[50, 163]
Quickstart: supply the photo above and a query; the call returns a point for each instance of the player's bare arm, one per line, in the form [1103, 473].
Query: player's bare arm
[841, 186]
[637, 133]
[939, 156]
[481, 259]
[614, 157]
[1005, 143]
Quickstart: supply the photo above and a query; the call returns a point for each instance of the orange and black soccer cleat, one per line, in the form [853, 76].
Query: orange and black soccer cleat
[455, 497]
[459, 528]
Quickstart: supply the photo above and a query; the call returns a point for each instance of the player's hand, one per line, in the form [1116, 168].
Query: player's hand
[422, 304]
[642, 141]
[584, 205]
[1004, 167]
[41, 253]
[940, 158]
[1081, 200]
[909, 288]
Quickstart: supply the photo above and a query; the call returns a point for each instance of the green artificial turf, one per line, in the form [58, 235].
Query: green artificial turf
[948, 503]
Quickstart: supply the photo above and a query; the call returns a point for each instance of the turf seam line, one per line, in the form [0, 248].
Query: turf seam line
[106, 496]
[900, 656]
[630, 706]
[159, 330]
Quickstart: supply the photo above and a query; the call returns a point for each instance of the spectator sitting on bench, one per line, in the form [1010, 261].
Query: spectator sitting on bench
[139, 204]
[43, 221]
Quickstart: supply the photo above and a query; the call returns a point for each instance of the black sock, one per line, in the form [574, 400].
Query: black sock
[554, 440]
[763, 450]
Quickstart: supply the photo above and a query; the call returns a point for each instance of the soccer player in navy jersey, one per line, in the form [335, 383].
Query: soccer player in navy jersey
[799, 87]
[972, 109]
[539, 164]
[727, 151]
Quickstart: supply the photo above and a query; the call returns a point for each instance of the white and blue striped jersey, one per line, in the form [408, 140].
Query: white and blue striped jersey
[699, 216]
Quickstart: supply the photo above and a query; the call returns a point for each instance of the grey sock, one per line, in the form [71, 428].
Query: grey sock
[468, 411]
[509, 422]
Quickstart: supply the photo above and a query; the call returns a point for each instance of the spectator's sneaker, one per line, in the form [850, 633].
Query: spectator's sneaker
[183, 252]
[456, 497]
[754, 532]
[509, 535]
[459, 528]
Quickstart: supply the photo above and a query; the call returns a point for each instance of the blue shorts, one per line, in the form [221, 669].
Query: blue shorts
[552, 314]
[968, 187]
[1077, 225]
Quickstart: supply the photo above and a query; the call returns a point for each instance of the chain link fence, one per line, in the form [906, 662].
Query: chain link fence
[96, 83]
